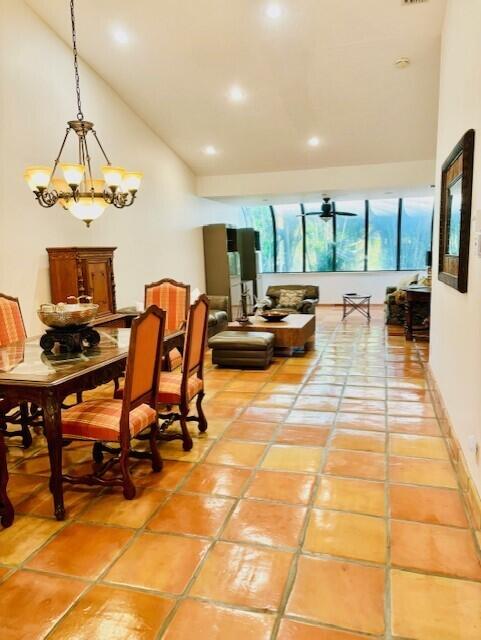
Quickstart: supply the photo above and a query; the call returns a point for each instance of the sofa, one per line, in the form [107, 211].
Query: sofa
[306, 305]
[218, 319]
[394, 303]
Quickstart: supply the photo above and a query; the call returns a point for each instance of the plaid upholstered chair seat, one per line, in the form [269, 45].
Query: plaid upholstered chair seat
[100, 420]
[170, 387]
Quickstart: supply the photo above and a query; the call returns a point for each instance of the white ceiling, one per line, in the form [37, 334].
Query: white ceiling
[324, 68]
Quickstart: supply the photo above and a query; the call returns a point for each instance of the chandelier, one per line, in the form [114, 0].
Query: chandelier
[78, 192]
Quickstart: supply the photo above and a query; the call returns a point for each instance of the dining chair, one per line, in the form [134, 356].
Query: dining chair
[179, 389]
[118, 421]
[12, 330]
[174, 297]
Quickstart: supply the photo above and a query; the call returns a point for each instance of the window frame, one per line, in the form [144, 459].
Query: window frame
[400, 210]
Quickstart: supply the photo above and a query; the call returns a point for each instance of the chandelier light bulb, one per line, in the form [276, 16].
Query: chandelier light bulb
[87, 208]
[131, 181]
[113, 175]
[38, 177]
[73, 173]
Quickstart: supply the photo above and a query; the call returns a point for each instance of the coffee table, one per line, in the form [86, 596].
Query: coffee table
[294, 333]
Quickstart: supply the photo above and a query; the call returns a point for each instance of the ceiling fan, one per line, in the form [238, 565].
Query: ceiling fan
[327, 211]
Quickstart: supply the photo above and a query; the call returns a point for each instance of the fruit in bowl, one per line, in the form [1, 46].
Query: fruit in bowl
[274, 316]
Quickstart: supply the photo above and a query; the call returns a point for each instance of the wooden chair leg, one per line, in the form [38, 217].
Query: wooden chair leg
[24, 422]
[157, 463]
[128, 485]
[200, 412]
[6, 508]
[97, 452]
[186, 439]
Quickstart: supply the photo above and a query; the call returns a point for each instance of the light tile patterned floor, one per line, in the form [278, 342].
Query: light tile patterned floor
[320, 505]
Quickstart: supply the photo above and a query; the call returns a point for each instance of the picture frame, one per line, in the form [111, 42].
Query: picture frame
[455, 214]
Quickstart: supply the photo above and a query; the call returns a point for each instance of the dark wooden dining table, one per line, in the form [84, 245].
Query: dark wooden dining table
[29, 374]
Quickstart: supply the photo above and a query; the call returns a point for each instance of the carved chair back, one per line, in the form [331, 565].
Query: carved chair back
[143, 365]
[173, 297]
[195, 339]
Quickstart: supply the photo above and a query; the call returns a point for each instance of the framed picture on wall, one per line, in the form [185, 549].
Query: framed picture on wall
[455, 214]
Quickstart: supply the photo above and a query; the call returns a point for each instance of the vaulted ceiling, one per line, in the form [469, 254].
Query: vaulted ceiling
[307, 68]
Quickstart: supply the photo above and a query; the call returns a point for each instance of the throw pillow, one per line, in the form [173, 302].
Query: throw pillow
[291, 298]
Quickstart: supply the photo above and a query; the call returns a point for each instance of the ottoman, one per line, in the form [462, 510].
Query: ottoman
[242, 349]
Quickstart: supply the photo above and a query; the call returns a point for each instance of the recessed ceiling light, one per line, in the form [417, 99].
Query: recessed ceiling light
[120, 35]
[274, 10]
[402, 63]
[236, 94]
[210, 150]
[314, 141]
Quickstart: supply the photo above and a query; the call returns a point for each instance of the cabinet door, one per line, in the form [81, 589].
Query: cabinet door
[99, 283]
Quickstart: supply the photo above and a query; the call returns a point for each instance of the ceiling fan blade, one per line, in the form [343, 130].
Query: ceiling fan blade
[345, 213]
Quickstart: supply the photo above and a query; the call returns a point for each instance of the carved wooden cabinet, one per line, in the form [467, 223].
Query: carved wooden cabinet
[83, 271]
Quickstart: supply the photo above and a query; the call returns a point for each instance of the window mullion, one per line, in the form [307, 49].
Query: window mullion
[274, 231]
[303, 221]
[366, 234]
[399, 222]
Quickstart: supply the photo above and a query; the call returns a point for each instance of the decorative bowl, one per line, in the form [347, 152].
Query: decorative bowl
[67, 315]
[274, 316]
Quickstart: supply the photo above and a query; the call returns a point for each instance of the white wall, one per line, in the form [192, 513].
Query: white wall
[456, 317]
[159, 236]
[360, 179]
[332, 286]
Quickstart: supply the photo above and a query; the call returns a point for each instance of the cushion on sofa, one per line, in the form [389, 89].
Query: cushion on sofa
[291, 298]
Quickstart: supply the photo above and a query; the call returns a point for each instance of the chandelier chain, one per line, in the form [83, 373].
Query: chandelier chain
[80, 115]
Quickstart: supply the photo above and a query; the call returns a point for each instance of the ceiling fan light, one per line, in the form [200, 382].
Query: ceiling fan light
[113, 175]
[73, 173]
[37, 177]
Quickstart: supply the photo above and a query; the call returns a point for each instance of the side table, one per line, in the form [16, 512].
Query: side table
[354, 302]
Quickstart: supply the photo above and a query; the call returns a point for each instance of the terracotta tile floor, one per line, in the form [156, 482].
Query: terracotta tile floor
[321, 504]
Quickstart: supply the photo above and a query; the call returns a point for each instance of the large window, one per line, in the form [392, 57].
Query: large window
[350, 246]
[416, 232]
[289, 238]
[384, 235]
[260, 219]
[319, 240]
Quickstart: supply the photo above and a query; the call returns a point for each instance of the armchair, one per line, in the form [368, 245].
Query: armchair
[307, 305]
[395, 303]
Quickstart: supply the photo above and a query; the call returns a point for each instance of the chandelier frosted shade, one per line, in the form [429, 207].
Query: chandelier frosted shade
[73, 173]
[38, 177]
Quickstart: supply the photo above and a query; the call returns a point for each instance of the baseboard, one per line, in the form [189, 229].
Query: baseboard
[469, 489]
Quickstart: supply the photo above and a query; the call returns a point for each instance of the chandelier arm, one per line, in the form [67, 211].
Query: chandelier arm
[57, 159]
[80, 115]
[45, 198]
[101, 148]
[87, 158]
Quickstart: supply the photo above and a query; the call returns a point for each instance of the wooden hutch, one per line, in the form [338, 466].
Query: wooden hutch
[87, 271]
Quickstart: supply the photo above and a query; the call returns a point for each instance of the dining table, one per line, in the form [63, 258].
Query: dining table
[28, 373]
